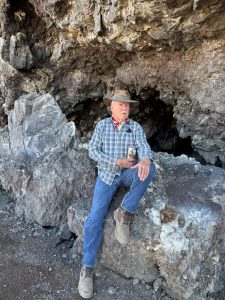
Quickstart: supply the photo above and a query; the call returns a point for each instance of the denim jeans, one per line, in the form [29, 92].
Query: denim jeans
[103, 195]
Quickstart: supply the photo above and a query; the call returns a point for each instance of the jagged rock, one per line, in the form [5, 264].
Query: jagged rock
[41, 161]
[170, 51]
[88, 47]
[92, 46]
[20, 55]
[192, 74]
[178, 232]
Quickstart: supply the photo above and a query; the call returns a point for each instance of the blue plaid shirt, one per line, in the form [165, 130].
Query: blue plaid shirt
[109, 143]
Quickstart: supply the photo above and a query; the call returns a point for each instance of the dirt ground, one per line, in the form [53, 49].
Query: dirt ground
[34, 265]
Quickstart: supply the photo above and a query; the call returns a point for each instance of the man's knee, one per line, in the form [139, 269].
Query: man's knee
[152, 170]
[90, 223]
[94, 219]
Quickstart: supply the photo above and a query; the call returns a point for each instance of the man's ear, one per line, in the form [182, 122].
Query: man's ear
[109, 109]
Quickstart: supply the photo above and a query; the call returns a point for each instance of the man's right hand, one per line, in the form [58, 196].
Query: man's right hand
[125, 162]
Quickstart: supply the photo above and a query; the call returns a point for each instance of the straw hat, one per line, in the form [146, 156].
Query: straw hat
[120, 96]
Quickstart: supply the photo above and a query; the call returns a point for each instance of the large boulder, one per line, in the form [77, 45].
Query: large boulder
[177, 233]
[41, 161]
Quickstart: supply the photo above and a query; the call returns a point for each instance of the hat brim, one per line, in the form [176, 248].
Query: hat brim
[108, 101]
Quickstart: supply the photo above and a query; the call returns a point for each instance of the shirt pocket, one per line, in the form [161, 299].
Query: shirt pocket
[108, 144]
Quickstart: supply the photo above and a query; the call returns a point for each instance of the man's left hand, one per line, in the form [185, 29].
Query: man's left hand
[143, 168]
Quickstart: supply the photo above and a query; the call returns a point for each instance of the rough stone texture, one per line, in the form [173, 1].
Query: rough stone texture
[20, 55]
[41, 163]
[78, 51]
[178, 232]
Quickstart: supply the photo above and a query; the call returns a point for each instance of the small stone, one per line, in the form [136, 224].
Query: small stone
[135, 281]
[14, 230]
[64, 255]
[24, 236]
[74, 255]
[222, 136]
[143, 282]
[98, 273]
[148, 286]
[157, 284]
[50, 269]
[196, 168]
[111, 290]
[36, 233]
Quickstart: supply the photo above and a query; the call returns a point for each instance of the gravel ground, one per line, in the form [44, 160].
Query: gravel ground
[36, 264]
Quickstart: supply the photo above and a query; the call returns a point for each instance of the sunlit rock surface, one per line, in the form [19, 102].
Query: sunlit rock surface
[177, 233]
[41, 161]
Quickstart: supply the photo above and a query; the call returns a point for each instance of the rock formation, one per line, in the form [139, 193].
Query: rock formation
[38, 162]
[57, 60]
[178, 232]
[80, 51]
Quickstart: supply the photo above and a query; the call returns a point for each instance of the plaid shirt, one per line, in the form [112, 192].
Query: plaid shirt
[109, 143]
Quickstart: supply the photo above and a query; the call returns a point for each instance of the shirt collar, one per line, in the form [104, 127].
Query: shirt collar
[119, 124]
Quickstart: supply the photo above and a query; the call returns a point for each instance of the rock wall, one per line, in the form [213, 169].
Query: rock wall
[60, 57]
[178, 232]
[81, 51]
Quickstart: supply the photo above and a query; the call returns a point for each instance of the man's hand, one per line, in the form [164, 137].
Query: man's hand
[125, 162]
[143, 168]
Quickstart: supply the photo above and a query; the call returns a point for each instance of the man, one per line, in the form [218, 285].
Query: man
[112, 139]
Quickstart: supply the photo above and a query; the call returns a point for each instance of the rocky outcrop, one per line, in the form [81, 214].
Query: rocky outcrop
[80, 51]
[41, 162]
[167, 54]
[177, 233]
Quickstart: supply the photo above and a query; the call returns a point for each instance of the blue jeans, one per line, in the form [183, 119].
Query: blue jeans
[103, 195]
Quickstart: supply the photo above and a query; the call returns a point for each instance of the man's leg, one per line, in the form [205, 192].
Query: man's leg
[123, 214]
[103, 195]
[137, 187]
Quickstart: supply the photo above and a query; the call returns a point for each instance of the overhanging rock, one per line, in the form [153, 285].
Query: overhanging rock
[178, 232]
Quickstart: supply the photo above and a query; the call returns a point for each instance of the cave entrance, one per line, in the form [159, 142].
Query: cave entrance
[157, 119]
[154, 115]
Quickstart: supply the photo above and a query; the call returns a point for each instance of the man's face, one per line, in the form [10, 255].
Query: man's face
[120, 110]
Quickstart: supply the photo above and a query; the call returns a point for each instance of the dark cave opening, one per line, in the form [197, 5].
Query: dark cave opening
[159, 124]
[18, 4]
[23, 18]
[154, 115]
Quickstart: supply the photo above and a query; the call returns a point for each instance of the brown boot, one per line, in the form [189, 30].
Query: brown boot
[85, 286]
[122, 218]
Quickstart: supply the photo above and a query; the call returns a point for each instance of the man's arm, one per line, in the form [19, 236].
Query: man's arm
[144, 154]
[95, 149]
[143, 148]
